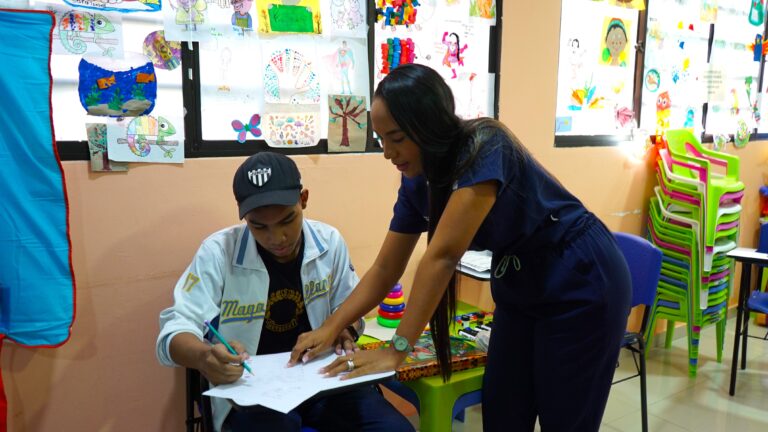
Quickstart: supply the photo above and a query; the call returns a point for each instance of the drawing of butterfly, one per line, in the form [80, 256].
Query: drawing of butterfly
[243, 129]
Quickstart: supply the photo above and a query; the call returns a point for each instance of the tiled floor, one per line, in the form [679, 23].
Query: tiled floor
[677, 403]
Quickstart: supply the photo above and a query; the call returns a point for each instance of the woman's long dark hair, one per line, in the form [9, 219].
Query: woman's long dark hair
[422, 105]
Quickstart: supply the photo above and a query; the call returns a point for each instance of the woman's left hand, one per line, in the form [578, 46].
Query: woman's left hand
[362, 363]
[346, 343]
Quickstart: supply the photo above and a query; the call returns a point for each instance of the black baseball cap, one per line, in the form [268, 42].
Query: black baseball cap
[264, 179]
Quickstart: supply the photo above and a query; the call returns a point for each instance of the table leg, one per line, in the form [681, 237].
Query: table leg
[745, 324]
[743, 288]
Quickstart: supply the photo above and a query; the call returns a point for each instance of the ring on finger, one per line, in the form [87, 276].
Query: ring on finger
[350, 365]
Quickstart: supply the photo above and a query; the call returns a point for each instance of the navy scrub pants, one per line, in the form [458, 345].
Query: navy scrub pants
[360, 409]
[559, 321]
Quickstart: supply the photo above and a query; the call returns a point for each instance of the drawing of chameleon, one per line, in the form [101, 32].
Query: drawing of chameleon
[146, 131]
[78, 27]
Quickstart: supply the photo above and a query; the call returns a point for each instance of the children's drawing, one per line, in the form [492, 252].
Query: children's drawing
[348, 18]
[125, 88]
[453, 57]
[584, 98]
[392, 13]
[396, 52]
[482, 8]
[347, 123]
[345, 60]
[753, 104]
[624, 116]
[663, 105]
[289, 78]
[652, 80]
[241, 18]
[759, 48]
[89, 33]
[613, 46]
[97, 143]
[164, 54]
[189, 13]
[123, 6]
[226, 59]
[708, 11]
[575, 57]
[289, 130]
[242, 129]
[289, 16]
[145, 139]
[756, 12]
[629, 4]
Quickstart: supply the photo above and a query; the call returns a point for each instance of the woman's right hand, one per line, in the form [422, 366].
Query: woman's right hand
[219, 366]
[312, 344]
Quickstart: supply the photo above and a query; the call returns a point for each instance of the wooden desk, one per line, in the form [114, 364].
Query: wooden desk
[748, 258]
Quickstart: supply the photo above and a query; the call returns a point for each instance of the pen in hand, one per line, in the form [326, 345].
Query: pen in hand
[226, 344]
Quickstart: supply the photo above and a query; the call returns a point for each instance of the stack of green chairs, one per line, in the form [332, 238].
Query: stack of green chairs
[694, 219]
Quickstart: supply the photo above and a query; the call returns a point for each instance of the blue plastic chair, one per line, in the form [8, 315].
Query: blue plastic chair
[644, 261]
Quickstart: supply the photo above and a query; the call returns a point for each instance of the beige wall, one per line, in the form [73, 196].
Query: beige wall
[133, 233]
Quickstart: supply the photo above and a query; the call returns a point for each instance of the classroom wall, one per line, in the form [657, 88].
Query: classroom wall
[133, 234]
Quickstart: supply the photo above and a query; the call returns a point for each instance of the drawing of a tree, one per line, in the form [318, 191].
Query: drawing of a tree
[347, 108]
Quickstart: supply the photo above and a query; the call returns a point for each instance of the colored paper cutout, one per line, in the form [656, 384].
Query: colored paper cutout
[164, 54]
[289, 16]
[242, 129]
[347, 123]
[117, 88]
[97, 144]
[392, 13]
[563, 124]
[289, 130]
[242, 22]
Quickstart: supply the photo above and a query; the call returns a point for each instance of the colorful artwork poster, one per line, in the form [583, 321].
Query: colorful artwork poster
[290, 73]
[596, 70]
[614, 42]
[164, 54]
[80, 32]
[348, 18]
[146, 139]
[124, 6]
[97, 144]
[346, 66]
[347, 123]
[117, 88]
[289, 16]
[292, 130]
[187, 20]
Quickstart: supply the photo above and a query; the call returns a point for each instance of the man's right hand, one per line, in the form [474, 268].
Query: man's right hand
[312, 344]
[219, 366]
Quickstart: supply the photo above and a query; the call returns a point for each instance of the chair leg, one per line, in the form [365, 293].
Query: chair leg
[670, 334]
[745, 338]
[643, 388]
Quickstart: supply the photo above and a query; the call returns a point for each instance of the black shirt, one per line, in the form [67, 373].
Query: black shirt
[286, 317]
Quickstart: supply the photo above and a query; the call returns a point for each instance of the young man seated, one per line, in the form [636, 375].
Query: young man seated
[262, 284]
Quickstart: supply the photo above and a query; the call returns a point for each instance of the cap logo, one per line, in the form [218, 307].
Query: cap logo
[260, 176]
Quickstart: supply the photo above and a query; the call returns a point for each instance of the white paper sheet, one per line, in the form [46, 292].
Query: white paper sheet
[375, 330]
[280, 388]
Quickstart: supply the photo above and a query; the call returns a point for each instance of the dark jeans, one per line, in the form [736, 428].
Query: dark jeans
[359, 409]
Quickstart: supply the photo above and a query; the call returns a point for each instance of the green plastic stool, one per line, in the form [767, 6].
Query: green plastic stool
[436, 398]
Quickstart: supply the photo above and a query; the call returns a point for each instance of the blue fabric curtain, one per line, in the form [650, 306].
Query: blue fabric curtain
[36, 281]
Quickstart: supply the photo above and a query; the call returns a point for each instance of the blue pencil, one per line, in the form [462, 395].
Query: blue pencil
[226, 344]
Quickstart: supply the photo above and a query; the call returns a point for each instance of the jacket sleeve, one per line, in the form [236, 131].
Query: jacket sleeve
[344, 277]
[196, 298]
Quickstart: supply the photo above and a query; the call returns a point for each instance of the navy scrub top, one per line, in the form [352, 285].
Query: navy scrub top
[532, 209]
